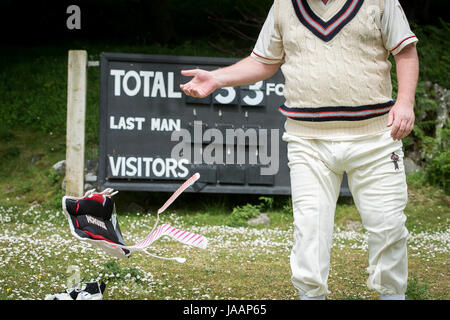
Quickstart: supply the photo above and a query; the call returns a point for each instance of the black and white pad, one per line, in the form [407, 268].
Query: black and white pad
[93, 219]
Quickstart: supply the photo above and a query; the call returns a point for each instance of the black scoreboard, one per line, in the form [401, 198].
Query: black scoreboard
[153, 137]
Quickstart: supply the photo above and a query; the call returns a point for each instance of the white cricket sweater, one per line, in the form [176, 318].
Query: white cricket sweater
[335, 64]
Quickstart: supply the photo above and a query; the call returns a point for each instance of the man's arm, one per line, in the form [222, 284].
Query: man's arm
[401, 116]
[246, 71]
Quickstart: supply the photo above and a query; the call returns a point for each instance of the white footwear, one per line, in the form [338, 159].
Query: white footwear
[392, 297]
[312, 298]
[87, 291]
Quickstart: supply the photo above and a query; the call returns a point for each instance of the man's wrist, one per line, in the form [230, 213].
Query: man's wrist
[218, 79]
[405, 101]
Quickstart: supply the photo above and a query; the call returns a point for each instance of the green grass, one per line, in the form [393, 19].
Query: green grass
[36, 249]
[28, 176]
[240, 263]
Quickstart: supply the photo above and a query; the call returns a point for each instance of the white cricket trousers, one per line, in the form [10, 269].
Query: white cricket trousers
[377, 181]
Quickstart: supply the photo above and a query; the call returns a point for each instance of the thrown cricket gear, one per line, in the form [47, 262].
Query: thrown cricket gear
[93, 219]
[81, 291]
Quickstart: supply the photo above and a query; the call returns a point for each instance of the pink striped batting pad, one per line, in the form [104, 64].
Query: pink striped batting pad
[184, 237]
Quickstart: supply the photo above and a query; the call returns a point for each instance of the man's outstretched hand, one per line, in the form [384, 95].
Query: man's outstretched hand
[243, 72]
[201, 85]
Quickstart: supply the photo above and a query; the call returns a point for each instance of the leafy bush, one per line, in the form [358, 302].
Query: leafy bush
[241, 214]
[430, 141]
[428, 144]
[437, 170]
[53, 176]
[5, 135]
[416, 290]
[267, 202]
[433, 52]
[10, 153]
[54, 200]
[287, 207]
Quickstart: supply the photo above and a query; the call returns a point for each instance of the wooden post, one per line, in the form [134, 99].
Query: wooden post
[76, 114]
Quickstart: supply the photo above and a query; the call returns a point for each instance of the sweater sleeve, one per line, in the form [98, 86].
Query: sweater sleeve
[269, 46]
[395, 28]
